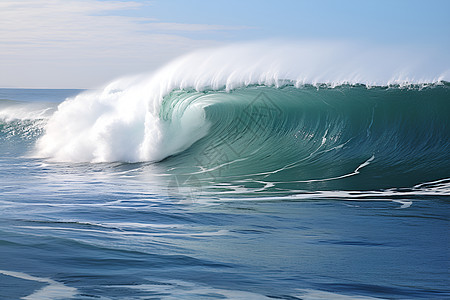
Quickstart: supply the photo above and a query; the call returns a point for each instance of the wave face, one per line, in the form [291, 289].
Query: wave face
[312, 136]
[319, 137]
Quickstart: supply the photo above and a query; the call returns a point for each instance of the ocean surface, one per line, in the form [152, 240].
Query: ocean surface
[215, 189]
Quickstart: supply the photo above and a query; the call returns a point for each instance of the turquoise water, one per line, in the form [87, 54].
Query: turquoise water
[268, 193]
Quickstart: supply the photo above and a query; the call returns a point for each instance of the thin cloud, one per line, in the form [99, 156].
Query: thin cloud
[48, 42]
[192, 27]
[68, 20]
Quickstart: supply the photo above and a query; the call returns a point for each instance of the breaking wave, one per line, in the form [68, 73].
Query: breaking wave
[314, 113]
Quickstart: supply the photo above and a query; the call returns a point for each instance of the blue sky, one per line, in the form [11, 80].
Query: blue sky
[379, 20]
[85, 43]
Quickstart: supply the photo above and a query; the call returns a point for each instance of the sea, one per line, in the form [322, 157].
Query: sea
[225, 188]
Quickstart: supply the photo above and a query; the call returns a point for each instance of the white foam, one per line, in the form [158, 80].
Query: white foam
[53, 291]
[121, 122]
[310, 294]
[26, 111]
[179, 289]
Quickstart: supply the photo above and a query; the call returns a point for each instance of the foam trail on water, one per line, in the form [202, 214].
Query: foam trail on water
[53, 289]
[178, 289]
[122, 121]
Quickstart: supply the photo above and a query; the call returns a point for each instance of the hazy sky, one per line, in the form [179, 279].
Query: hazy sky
[85, 43]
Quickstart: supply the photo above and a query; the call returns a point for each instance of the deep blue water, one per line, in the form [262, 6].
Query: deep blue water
[115, 230]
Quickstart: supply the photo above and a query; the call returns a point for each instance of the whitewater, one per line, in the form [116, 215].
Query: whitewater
[264, 170]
